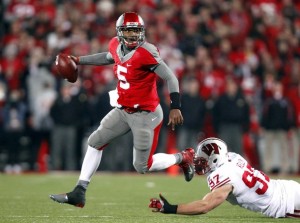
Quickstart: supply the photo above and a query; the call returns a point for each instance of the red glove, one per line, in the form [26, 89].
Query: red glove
[162, 205]
[74, 58]
[155, 204]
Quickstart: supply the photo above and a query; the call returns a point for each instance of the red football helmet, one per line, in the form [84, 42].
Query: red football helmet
[210, 154]
[130, 29]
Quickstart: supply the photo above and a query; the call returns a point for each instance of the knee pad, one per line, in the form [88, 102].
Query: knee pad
[140, 168]
[95, 140]
[92, 140]
[142, 139]
[140, 161]
[142, 146]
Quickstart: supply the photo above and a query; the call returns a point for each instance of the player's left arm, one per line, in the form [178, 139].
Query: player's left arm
[208, 203]
[164, 72]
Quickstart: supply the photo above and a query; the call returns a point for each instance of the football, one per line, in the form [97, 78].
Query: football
[66, 67]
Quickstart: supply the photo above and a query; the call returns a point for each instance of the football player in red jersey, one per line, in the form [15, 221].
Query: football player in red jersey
[136, 66]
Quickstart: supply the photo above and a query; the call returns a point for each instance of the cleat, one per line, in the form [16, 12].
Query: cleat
[75, 197]
[60, 198]
[187, 164]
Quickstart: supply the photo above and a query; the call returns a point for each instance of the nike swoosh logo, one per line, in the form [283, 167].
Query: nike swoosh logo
[153, 119]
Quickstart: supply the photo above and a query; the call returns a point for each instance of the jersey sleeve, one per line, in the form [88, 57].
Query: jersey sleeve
[219, 178]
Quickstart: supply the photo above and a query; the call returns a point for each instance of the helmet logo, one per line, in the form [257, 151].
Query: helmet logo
[211, 147]
[132, 23]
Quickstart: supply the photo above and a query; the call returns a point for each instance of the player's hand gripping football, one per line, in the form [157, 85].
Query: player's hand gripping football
[74, 58]
[66, 67]
[162, 205]
[175, 118]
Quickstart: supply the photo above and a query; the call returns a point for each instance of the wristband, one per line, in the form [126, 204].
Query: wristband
[170, 209]
[175, 100]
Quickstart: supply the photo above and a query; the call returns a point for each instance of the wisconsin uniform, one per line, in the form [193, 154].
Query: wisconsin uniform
[254, 190]
[230, 177]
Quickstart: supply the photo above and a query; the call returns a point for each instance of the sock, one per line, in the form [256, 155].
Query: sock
[178, 157]
[83, 183]
[90, 165]
[162, 161]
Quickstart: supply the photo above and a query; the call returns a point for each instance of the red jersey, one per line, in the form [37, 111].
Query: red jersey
[136, 81]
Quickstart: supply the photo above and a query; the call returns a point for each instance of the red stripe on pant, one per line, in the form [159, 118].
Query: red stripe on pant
[154, 144]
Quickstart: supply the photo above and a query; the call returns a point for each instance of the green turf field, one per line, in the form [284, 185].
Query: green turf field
[110, 198]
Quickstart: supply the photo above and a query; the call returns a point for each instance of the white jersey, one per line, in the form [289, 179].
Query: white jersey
[254, 190]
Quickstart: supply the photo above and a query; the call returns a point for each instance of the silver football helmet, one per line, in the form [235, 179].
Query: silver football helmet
[210, 154]
[130, 29]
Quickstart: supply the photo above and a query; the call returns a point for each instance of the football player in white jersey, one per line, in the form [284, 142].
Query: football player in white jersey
[230, 177]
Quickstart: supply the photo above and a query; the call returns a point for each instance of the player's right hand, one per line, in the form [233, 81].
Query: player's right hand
[74, 58]
[175, 118]
[156, 205]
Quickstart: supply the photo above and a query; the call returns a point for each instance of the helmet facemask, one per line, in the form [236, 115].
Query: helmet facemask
[131, 37]
[201, 165]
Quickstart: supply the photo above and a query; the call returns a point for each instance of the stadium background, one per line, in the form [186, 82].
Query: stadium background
[254, 42]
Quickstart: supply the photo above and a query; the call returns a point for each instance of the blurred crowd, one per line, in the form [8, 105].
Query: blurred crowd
[238, 63]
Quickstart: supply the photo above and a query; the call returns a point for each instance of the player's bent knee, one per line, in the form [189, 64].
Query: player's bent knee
[95, 140]
[142, 139]
[92, 141]
[140, 168]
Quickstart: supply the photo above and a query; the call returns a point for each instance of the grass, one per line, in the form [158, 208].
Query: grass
[111, 198]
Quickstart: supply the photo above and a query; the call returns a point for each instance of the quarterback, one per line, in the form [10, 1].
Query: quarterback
[231, 178]
[137, 64]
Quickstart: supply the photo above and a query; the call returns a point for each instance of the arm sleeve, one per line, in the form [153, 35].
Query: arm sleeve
[164, 72]
[104, 58]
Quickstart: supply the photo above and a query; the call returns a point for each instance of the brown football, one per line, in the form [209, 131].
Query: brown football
[66, 67]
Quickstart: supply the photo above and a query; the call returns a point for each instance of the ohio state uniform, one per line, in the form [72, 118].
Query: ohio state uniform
[136, 81]
[136, 106]
[136, 91]
[254, 190]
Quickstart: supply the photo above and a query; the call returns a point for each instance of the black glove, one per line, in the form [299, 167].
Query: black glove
[162, 205]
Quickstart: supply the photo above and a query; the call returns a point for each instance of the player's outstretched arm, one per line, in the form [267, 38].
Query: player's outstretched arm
[208, 203]
[104, 58]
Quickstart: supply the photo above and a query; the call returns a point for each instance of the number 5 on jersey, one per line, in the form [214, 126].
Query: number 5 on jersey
[123, 82]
